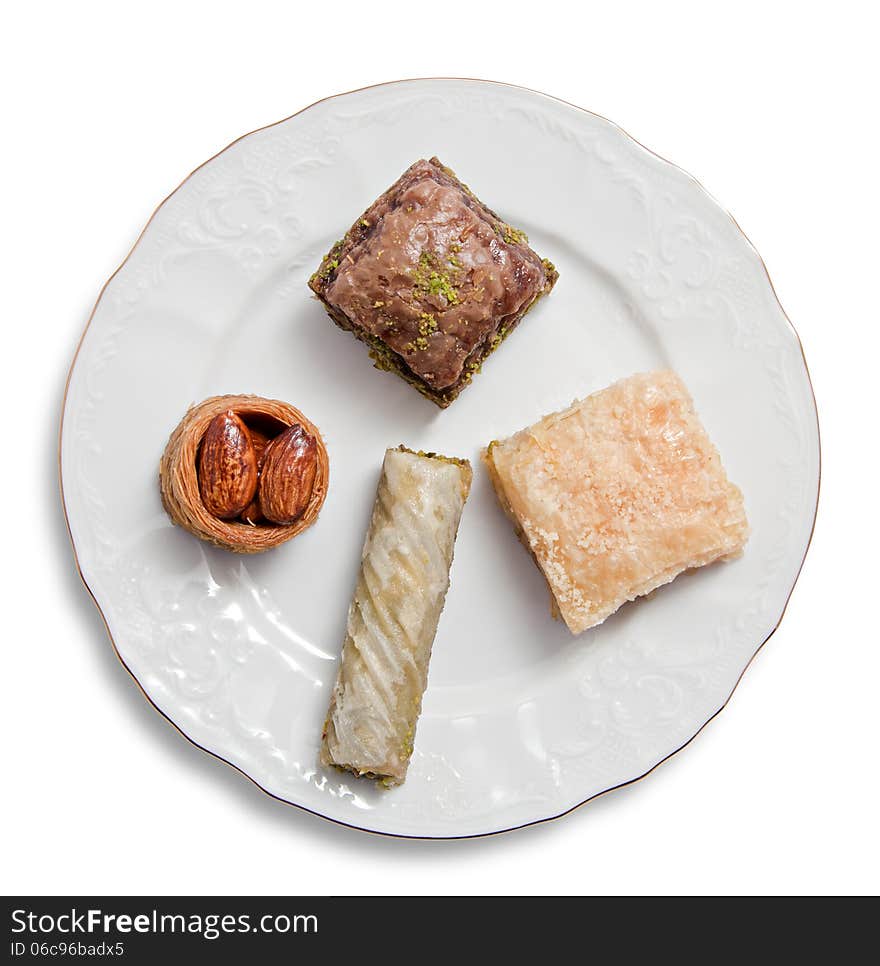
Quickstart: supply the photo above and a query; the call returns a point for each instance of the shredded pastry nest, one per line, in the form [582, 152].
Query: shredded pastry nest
[179, 485]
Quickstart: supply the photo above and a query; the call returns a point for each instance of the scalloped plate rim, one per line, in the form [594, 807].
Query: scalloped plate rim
[236, 767]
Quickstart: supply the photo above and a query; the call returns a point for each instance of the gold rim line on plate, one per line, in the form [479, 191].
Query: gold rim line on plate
[219, 757]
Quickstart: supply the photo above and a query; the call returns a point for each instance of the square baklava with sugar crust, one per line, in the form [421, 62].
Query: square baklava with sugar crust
[617, 495]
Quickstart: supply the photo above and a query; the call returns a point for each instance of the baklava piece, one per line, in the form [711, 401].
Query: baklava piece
[244, 472]
[393, 617]
[617, 495]
[431, 280]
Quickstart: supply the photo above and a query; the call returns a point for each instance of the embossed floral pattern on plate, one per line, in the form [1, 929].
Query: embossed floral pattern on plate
[521, 722]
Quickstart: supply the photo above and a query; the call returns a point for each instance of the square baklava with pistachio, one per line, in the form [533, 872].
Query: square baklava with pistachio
[432, 280]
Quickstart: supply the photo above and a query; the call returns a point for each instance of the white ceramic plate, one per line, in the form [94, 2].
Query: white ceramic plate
[521, 721]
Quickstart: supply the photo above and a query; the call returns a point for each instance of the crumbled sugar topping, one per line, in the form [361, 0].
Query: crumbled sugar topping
[618, 494]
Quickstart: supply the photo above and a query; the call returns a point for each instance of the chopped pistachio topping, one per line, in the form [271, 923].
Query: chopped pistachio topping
[331, 262]
[431, 455]
[429, 281]
[427, 323]
[513, 236]
[498, 338]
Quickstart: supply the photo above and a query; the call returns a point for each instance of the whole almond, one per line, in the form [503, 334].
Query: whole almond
[227, 467]
[261, 444]
[252, 513]
[288, 475]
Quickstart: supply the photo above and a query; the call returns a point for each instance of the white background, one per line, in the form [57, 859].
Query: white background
[107, 106]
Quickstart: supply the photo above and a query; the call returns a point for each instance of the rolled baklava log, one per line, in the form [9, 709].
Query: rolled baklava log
[393, 617]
